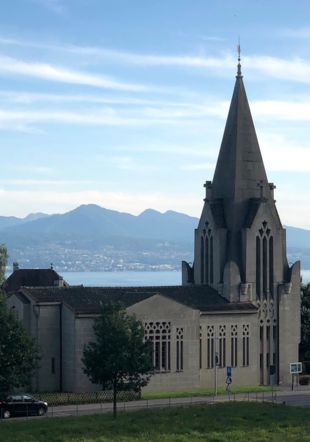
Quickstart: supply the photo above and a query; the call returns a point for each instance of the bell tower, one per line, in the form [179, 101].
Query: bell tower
[240, 243]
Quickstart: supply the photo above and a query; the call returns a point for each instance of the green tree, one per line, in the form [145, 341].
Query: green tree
[118, 359]
[18, 352]
[305, 322]
[3, 262]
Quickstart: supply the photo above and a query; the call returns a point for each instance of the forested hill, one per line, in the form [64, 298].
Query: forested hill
[94, 238]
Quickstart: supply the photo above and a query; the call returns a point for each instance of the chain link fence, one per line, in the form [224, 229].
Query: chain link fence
[54, 399]
[100, 402]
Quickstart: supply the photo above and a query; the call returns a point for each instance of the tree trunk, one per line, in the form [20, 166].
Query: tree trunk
[114, 399]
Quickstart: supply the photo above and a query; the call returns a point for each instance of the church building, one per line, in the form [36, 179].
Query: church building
[238, 305]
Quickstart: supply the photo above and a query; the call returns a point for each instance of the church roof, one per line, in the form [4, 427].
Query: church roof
[240, 169]
[88, 300]
[31, 278]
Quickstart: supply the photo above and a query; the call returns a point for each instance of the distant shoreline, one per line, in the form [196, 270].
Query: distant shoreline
[131, 278]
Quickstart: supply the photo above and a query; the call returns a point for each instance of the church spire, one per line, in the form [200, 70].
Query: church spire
[240, 165]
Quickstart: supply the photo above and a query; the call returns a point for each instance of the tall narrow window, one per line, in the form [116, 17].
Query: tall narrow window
[207, 266]
[271, 266]
[222, 345]
[207, 261]
[234, 345]
[210, 346]
[53, 365]
[202, 259]
[268, 346]
[245, 344]
[179, 348]
[211, 260]
[261, 354]
[200, 349]
[264, 262]
[265, 267]
[159, 333]
[258, 269]
[274, 337]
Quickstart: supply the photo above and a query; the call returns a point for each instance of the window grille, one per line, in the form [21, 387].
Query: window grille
[159, 333]
[245, 345]
[234, 345]
[222, 345]
[210, 346]
[179, 352]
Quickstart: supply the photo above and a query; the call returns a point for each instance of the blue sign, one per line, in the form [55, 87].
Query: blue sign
[228, 372]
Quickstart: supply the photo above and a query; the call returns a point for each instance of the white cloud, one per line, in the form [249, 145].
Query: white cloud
[284, 155]
[292, 68]
[50, 72]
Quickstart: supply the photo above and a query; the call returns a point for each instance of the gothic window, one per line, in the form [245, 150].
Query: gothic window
[264, 262]
[271, 265]
[234, 345]
[200, 349]
[211, 260]
[202, 260]
[210, 346]
[207, 259]
[245, 344]
[179, 348]
[207, 267]
[159, 333]
[261, 353]
[274, 335]
[222, 345]
[268, 346]
[258, 268]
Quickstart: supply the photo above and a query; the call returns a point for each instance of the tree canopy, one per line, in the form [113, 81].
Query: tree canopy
[118, 358]
[18, 352]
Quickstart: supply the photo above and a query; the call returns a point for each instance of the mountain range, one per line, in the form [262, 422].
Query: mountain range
[94, 238]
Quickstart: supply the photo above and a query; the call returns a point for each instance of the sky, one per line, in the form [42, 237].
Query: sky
[123, 103]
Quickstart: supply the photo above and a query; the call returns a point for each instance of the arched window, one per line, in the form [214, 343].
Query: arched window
[207, 266]
[264, 262]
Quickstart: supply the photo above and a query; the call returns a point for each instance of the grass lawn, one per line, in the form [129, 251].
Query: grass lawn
[227, 422]
[203, 392]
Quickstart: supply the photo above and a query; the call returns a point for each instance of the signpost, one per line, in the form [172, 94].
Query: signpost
[295, 369]
[228, 378]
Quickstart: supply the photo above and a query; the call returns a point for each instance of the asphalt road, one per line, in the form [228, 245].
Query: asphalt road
[289, 398]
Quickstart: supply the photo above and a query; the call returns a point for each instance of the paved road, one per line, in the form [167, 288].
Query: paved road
[290, 398]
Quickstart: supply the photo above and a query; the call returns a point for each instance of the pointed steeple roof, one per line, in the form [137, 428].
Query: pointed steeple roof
[240, 173]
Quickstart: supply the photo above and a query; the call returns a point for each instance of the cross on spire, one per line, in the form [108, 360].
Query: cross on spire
[239, 74]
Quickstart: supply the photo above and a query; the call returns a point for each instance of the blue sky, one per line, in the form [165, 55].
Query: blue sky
[123, 103]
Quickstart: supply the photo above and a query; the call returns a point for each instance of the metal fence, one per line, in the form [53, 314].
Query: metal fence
[83, 408]
[98, 397]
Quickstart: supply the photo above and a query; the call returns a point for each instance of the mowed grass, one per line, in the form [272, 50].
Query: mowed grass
[204, 392]
[227, 422]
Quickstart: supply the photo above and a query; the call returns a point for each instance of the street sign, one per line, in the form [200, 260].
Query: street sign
[228, 372]
[295, 367]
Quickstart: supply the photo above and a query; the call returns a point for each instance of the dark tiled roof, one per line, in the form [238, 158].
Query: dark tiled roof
[88, 299]
[31, 278]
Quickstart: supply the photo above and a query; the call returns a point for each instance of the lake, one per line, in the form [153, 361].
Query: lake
[132, 279]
